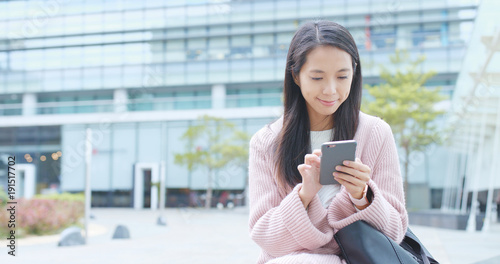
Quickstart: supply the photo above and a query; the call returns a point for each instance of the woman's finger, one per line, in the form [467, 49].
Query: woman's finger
[354, 189]
[358, 165]
[348, 185]
[302, 168]
[311, 159]
[317, 152]
[351, 188]
[356, 173]
[350, 179]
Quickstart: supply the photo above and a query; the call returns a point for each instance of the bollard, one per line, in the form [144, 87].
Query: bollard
[161, 221]
[71, 236]
[121, 232]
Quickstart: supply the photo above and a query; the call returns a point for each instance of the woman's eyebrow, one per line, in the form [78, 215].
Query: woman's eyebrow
[320, 71]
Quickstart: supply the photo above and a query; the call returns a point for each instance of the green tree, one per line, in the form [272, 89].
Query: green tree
[406, 105]
[213, 143]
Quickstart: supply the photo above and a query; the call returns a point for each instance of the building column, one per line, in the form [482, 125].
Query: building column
[29, 104]
[493, 172]
[120, 100]
[219, 96]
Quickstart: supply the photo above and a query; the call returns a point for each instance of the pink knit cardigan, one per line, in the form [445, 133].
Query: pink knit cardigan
[287, 233]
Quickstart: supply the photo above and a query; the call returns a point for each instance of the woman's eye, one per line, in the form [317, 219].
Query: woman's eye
[342, 77]
[316, 79]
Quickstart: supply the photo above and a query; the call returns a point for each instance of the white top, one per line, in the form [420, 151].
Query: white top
[327, 192]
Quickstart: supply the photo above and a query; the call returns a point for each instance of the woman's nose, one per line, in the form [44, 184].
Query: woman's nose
[330, 88]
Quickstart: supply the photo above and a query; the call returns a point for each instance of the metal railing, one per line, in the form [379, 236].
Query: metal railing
[144, 104]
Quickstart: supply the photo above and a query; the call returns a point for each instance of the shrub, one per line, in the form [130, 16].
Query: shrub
[65, 196]
[3, 198]
[43, 216]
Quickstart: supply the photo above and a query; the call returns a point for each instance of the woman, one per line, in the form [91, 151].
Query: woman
[292, 216]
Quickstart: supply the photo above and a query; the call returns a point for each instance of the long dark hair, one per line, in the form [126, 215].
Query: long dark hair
[293, 142]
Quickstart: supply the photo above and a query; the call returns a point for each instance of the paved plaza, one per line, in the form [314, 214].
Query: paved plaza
[214, 236]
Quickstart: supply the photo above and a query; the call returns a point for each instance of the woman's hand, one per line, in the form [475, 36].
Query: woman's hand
[310, 177]
[353, 176]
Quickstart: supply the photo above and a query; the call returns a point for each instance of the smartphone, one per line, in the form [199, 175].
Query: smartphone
[333, 154]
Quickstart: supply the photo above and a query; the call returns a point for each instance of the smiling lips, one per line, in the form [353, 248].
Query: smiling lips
[327, 103]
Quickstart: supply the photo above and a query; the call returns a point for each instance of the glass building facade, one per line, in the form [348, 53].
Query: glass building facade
[140, 72]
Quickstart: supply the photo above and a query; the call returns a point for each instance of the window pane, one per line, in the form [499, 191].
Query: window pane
[173, 56]
[197, 14]
[197, 31]
[112, 77]
[310, 7]
[53, 81]
[91, 78]
[263, 10]
[218, 71]
[218, 30]
[184, 100]
[197, 72]
[222, 42]
[175, 16]
[175, 44]
[271, 97]
[175, 73]
[286, 9]
[267, 39]
[15, 82]
[248, 98]
[73, 79]
[263, 69]
[203, 100]
[240, 11]
[197, 43]
[132, 76]
[241, 70]
[241, 47]
[284, 38]
[383, 38]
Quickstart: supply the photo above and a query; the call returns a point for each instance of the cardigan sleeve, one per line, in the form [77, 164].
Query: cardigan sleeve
[281, 226]
[387, 210]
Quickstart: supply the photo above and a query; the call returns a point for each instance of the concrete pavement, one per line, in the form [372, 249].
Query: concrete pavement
[191, 236]
[461, 247]
[215, 236]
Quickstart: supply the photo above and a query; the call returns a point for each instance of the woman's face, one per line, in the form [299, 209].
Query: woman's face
[325, 82]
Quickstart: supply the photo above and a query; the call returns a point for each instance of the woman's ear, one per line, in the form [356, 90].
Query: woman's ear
[296, 79]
